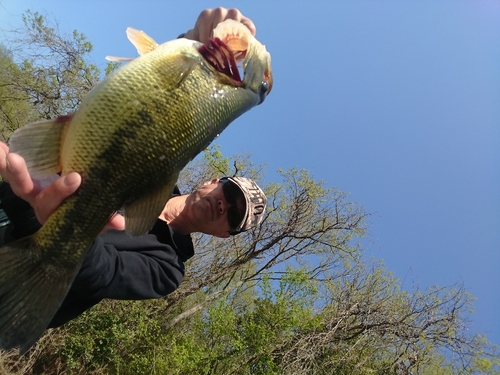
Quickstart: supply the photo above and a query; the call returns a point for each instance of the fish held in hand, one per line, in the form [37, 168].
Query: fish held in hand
[129, 139]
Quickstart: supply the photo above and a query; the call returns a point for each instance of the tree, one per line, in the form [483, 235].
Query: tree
[292, 296]
[44, 73]
[14, 110]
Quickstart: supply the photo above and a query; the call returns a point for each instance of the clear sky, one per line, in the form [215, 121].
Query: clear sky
[396, 102]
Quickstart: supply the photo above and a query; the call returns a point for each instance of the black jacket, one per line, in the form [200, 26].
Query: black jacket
[117, 265]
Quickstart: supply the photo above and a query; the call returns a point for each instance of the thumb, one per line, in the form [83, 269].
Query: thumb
[117, 222]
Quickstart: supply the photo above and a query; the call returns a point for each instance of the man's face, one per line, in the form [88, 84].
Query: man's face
[209, 208]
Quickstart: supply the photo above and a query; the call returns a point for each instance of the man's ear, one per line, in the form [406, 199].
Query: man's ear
[211, 182]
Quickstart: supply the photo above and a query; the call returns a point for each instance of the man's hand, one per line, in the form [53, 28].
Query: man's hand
[210, 18]
[43, 200]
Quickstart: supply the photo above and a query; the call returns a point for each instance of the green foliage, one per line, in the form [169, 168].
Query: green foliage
[292, 296]
[288, 328]
[14, 109]
[104, 338]
[54, 73]
[43, 74]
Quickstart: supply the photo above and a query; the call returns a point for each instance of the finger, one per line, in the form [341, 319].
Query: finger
[220, 14]
[19, 178]
[203, 27]
[4, 150]
[232, 13]
[250, 25]
[210, 18]
[190, 34]
[235, 14]
[50, 198]
[117, 222]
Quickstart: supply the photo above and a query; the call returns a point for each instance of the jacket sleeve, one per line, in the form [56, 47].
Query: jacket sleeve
[116, 266]
[119, 266]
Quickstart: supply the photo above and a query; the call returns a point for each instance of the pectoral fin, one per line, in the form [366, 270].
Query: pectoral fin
[141, 215]
[118, 59]
[39, 143]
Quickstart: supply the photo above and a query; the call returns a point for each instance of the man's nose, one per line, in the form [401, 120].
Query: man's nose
[223, 206]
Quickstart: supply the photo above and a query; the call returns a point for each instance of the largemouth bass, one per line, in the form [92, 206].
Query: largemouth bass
[129, 139]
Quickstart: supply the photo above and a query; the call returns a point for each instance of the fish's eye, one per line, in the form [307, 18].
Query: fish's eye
[264, 88]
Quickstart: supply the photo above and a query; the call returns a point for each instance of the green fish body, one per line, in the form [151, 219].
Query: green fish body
[129, 140]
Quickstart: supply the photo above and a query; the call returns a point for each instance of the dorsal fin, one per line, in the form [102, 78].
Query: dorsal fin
[141, 41]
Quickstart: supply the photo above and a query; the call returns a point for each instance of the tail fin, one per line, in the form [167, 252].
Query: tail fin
[31, 291]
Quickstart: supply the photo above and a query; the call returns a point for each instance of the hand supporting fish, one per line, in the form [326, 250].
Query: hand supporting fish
[129, 139]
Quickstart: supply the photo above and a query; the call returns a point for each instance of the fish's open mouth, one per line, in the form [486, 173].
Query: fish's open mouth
[221, 57]
[228, 48]
[236, 36]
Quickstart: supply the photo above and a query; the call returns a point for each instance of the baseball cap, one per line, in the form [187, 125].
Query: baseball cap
[255, 202]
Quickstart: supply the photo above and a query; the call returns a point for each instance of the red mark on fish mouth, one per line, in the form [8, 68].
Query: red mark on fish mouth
[218, 54]
[64, 118]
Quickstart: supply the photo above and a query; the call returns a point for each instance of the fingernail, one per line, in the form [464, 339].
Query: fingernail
[72, 179]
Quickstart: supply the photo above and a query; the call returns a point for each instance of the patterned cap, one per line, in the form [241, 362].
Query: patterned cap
[255, 200]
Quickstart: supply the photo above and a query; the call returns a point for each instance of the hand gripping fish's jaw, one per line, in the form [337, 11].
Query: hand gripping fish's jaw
[245, 49]
[218, 55]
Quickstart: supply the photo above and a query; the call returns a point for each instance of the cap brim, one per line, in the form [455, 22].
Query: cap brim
[240, 227]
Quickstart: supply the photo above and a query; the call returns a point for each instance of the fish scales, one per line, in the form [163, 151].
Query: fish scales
[129, 139]
[148, 107]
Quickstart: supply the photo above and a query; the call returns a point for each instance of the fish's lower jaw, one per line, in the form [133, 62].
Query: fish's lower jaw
[30, 294]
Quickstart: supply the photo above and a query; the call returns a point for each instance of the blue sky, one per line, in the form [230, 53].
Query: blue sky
[396, 102]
